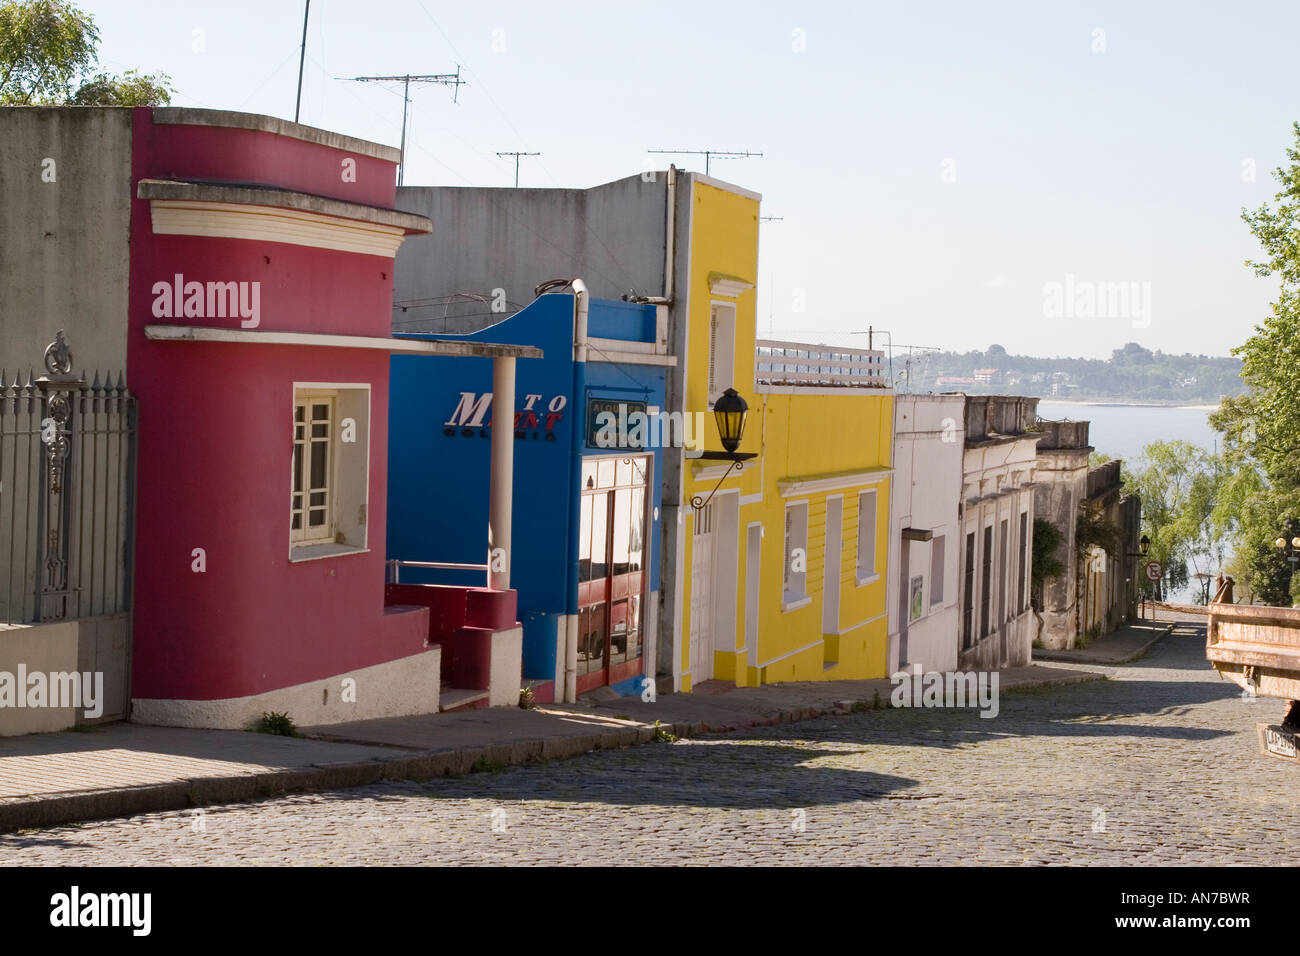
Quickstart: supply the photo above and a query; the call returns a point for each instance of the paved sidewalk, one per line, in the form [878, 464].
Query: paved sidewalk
[125, 769]
[1119, 647]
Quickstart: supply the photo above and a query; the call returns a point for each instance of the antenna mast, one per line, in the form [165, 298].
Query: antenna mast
[708, 154]
[516, 155]
[442, 79]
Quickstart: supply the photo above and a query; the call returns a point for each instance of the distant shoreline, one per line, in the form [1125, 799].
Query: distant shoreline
[1060, 401]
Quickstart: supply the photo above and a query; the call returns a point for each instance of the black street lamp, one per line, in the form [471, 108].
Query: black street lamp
[729, 411]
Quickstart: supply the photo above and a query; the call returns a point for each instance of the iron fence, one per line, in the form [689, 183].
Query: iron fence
[67, 480]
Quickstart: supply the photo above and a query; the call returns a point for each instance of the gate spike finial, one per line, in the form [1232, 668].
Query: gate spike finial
[121, 383]
[95, 385]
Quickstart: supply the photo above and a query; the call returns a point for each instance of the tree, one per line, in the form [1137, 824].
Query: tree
[130, 89]
[1180, 486]
[47, 45]
[1261, 428]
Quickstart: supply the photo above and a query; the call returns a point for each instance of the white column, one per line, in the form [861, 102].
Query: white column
[501, 480]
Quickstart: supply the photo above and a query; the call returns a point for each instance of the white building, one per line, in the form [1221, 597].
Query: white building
[996, 622]
[925, 530]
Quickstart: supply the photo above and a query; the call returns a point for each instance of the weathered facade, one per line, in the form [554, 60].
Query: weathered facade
[1063, 452]
[1097, 589]
[997, 512]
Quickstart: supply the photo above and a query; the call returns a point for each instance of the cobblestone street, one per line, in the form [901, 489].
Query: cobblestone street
[1158, 765]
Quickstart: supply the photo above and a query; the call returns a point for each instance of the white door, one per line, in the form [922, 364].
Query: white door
[702, 610]
[834, 554]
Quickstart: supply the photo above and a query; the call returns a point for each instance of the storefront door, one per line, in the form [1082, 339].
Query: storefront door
[613, 555]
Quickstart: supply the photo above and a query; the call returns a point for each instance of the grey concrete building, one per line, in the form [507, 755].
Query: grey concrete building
[1063, 452]
[1097, 589]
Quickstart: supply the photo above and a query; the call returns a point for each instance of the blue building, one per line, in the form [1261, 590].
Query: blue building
[584, 559]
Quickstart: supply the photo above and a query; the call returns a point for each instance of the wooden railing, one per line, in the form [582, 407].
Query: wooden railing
[800, 365]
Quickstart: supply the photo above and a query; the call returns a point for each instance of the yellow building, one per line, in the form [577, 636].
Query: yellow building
[781, 574]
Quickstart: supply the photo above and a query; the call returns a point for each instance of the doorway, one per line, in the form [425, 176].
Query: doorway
[613, 547]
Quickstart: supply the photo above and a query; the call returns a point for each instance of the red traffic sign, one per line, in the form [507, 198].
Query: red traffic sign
[1154, 571]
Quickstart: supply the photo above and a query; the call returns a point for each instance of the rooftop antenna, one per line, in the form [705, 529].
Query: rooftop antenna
[442, 79]
[771, 218]
[708, 154]
[302, 55]
[890, 346]
[516, 155]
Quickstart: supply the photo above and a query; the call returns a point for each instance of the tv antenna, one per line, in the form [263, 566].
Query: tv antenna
[516, 155]
[708, 154]
[442, 79]
[771, 218]
[890, 346]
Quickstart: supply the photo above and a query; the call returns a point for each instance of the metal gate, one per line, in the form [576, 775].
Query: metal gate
[67, 493]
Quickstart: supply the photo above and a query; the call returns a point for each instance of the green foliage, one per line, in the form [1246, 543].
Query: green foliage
[46, 45]
[1187, 509]
[527, 701]
[1047, 544]
[1132, 373]
[277, 724]
[130, 89]
[663, 736]
[1261, 429]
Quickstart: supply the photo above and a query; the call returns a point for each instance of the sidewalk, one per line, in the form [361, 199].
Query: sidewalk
[1126, 644]
[125, 769]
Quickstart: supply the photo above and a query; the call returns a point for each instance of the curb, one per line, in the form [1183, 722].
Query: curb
[1069, 657]
[46, 811]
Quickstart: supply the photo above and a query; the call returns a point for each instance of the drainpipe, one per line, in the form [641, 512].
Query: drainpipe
[581, 307]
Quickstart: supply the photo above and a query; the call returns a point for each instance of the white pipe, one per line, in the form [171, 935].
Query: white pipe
[501, 473]
[581, 308]
[571, 660]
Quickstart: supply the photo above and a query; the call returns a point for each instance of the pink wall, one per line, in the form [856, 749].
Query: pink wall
[215, 443]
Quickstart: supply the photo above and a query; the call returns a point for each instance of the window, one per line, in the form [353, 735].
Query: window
[1020, 571]
[936, 569]
[330, 461]
[866, 536]
[722, 349]
[968, 592]
[795, 574]
[985, 578]
[1002, 573]
[310, 510]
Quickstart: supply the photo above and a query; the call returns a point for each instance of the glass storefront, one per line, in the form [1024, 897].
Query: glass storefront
[612, 563]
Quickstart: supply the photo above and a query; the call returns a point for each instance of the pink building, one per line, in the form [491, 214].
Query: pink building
[251, 310]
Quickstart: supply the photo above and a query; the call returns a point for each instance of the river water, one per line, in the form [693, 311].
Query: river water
[1121, 431]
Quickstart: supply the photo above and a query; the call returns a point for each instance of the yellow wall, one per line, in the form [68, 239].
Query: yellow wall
[798, 437]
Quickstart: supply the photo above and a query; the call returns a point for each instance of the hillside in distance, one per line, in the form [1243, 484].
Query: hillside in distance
[1132, 374]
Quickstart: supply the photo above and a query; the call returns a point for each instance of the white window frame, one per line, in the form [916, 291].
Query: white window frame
[794, 584]
[346, 529]
[872, 574]
[304, 535]
[722, 348]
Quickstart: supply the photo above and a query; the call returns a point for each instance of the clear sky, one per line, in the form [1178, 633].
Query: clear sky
[935, 166]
